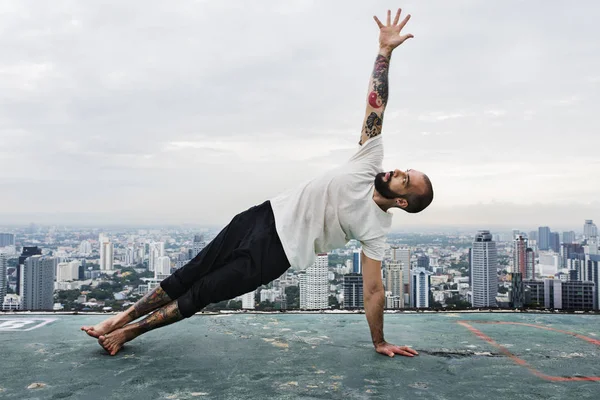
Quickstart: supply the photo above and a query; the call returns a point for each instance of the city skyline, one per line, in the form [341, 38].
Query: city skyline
[178, 118]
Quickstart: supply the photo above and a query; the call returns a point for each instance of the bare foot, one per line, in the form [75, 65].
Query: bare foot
[114, 341]
[106, 326]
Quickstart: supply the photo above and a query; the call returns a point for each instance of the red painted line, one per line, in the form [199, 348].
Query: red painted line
[520, 361]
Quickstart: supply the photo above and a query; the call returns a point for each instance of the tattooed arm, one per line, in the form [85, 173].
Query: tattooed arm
[389, 39]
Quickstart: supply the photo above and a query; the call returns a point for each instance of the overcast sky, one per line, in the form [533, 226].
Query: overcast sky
[191, 111]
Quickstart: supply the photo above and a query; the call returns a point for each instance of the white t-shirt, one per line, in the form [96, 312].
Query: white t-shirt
[325, 213]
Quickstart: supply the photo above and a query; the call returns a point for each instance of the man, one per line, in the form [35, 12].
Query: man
[259, 244]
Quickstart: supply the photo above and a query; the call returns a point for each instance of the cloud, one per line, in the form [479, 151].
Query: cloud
[201, 101]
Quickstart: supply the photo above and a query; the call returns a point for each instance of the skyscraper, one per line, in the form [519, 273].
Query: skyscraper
[314, 285]
[37, 285]
[356, 262]
[353, 292]
[7, 239]
[555, 242]
[519, 254]
[106, 253]
[544, 238]
[26, 253]
[402, 255]
[394, 280]
[420, 285]
[156, 250]
[484, 270]
[248, 300]
[529, 264]
[67, 271]
[590, 229]
[3, 266]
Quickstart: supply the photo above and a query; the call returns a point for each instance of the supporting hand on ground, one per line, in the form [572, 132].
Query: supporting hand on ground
[389, 349]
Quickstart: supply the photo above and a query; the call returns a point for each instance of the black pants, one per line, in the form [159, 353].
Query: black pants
[246, 254]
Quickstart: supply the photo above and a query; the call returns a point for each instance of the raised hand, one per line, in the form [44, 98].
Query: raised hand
[389, 34]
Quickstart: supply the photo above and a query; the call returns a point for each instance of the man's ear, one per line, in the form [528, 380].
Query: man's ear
[402, 203]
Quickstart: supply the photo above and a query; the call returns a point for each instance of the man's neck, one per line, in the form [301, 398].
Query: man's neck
[382, 202]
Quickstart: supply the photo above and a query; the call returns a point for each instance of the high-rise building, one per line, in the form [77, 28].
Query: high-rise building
[197, 245]
[353, 292]
[519, 254]
[568, 237]
[248, 300]
[356, 262]
[26, 253]
[156, 250]
[529, 264]
[423, 262]
[484, 274]
[394, 281]
[3, 267]
[67, 271]
[7, 239]
[555, 242]
[590, 229]
[106, 253]
[402, 255]
[544, 238]
[130, 256]
[85, 248]
[314, 286]
[37, 283]
[421, 286]
[517, 298]
[557, 294]
[162, 267]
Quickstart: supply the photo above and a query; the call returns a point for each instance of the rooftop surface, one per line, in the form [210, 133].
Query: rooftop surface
[306, 356]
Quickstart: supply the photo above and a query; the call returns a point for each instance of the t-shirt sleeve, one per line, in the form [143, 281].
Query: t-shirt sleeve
[371, 152]
[374, 248]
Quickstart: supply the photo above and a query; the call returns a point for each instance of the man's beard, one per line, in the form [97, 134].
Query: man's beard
[383, 188]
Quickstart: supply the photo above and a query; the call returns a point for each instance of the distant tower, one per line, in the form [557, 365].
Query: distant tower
[589, 229]
[38, 283]
[544, 238]
[157, 249]
[356, 262]
[106, 253]
[555, 242]
[3, 266]
[197, 245]
[529, 264]
[394, 281]
[484, 270]
[27, 252]
[420, 285]
[162, 267]
[314, 287]
[403, 256]
[519, 254]
[353, 292]
[248, 300]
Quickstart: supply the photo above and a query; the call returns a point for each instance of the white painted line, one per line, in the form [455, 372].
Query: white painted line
[23, 324]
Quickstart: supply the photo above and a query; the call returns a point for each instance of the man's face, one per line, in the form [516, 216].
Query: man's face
[396, 183]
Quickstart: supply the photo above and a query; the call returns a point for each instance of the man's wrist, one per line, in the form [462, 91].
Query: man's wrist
[378, 343]
[385, 51]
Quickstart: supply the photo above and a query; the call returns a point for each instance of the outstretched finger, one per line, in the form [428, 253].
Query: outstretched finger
[397, 16]
[404, 21]
[389, 17]
[412, 351]
[403, 352]
[404, 37]
[378, 21]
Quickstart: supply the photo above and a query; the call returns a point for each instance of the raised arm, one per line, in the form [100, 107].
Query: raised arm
[389, 39]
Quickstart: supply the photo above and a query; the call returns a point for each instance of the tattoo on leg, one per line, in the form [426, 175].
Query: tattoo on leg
[151, 301]
[163, 316]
